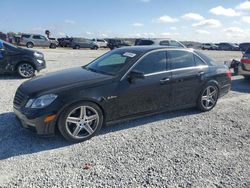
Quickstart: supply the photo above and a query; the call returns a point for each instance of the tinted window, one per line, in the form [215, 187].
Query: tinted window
[205, 58]
[25, 36]
[248, 51]
[198, 61]
[36, 37]
[180, 59]
[154, 62]
[145, 42]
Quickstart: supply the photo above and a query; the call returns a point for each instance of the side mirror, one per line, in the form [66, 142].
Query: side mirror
[135, 75]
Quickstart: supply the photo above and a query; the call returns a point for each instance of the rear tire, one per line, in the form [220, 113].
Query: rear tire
[77, 47]
[29, 45]
[80, 122]
[52, 46]
[208, 97]
[26, 70]
[95, 48]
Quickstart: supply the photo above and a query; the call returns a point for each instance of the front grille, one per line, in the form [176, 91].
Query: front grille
[20, 98]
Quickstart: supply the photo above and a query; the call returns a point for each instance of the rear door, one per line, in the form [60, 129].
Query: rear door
[188, 76]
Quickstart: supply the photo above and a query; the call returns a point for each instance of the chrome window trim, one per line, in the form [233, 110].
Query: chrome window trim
[161, 72]
[174, 70]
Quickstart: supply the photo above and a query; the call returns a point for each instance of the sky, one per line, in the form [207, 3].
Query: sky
[192, 20]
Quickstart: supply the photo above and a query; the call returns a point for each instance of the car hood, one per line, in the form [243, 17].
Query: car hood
[63, 79]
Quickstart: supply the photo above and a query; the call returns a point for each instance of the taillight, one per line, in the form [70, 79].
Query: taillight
[245, 60]
[229, 74]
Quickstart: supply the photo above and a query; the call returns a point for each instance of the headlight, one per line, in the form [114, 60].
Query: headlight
[41, 102]
[38, 55]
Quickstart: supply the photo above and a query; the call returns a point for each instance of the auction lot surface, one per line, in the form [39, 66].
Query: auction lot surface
[178, 149]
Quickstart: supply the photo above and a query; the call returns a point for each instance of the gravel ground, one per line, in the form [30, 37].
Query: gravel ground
[178, 149]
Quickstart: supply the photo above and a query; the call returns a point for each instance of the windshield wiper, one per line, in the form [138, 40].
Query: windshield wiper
[98, 71]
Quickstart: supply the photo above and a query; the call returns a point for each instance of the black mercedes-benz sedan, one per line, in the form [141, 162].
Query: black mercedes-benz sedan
[122, 84]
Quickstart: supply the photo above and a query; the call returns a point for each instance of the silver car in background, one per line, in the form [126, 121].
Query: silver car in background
[100, 42]
[31, 40]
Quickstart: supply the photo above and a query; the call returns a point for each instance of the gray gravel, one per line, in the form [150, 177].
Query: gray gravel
[178, 149]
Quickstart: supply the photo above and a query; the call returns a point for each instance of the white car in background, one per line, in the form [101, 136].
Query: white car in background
[100, 42]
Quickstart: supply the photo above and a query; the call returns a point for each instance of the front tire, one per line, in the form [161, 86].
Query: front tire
[26, 70]
[80, 121]
[208, 97]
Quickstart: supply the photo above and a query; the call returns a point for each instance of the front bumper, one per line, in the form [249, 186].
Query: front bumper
[36, 124]
[40, 64]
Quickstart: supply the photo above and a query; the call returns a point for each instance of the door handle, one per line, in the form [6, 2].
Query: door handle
[201, 73]
[164, 80]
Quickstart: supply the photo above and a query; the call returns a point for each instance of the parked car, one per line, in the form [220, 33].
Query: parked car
[122, 84]
[116, 43]
[209, 46]
[31, 40]
[77, 43]
[244, 46]
[244, 66]
[228, 47]
[64, 42]
[100, 42]
[161, 42]
[18, 60]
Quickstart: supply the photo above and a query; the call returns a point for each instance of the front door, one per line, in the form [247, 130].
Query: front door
[151, 94]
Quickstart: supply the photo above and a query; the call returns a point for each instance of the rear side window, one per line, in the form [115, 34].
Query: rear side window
[145, 42]
[154, 62]
[198, 61]
[180, 59]
[25, 36]
[248, 51]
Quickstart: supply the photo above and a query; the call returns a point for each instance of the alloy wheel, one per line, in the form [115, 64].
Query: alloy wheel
[209, 97]
[26, 70]
[82, 122]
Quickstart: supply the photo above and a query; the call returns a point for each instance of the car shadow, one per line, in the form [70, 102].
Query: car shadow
[10, 77]
[15, 140]
[240, 85]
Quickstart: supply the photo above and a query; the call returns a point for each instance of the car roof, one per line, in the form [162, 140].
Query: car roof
[149, 48]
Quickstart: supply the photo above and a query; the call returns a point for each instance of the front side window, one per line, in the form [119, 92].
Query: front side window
[152, 63]
[145, 42]
[113, 62]
[180, 59]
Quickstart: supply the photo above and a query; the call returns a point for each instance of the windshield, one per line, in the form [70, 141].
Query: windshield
[112, 62]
